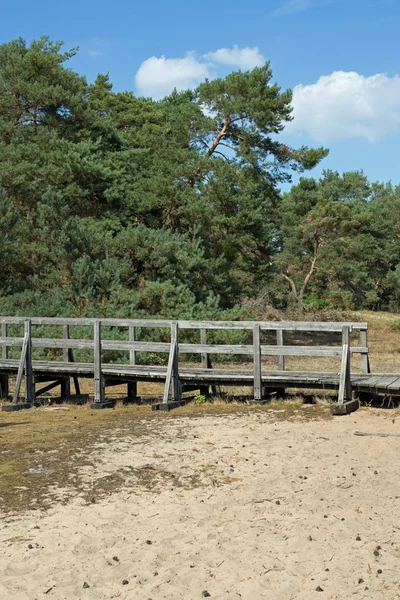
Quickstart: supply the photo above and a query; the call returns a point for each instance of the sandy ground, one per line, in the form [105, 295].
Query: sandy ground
[230, 506]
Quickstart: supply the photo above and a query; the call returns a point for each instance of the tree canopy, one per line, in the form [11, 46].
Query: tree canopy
[116, 205]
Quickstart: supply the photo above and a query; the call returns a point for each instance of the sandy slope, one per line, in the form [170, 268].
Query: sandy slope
[239, 506]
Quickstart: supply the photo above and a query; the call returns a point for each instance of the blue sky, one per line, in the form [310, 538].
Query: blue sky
[341, 58]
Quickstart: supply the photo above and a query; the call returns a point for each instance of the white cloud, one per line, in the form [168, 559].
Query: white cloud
[94, 53]
[243, 58]
[345, 105]
[158, 76]
[293, 6]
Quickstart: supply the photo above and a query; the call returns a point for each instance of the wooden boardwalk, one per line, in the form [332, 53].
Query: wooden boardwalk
[176, 375]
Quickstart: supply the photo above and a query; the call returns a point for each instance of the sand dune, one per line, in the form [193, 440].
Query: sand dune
[230, 506]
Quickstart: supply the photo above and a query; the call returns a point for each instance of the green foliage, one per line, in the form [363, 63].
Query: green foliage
[113, 205]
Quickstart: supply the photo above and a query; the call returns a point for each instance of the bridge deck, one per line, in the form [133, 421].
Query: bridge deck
[388, 384]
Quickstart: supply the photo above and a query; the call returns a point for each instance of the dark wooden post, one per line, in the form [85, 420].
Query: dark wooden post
[257, 363]
[176, 386]
[66, 383]
[29, 379]
[98, 376]
[365, 366]
[4, 388]
[345, 371]
[204, 355]
[172, 377]
[132, 385]
[205, 362]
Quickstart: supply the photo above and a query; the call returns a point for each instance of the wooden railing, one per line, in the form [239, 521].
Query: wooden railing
[174, 348]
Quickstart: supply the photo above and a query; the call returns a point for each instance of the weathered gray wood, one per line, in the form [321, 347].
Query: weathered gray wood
[132, 338]
[21, 367]
[281, 357]
[257, 363]
[176, 386]
[4, 384]
[395, 386]
[345, 373]
[49, 387]
[241, 349]
[203, 342]
[132, 385]
[66, 383]
[29, 378]
[98, 375]
[154, 323]
[4, 335]
[365, 365]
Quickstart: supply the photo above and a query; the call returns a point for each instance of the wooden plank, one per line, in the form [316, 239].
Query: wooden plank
[385, 382]
[98, 375]
[242, 349]
[154, 323]
[395, 386]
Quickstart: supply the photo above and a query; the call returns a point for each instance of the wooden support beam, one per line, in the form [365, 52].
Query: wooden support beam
[257, 363]
[66, 383]
[204, 355]
[29, 378]
[365, 365]
[98, 376]
[132, 385]
[172, 379]
[176, 386]
[4, 384]
[49, 387]
[279, 342]
[22, 361]
[345, 370]
[132, 338]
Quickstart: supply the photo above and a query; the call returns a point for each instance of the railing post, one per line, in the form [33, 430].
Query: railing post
[98, 376]
[29, 379]
[204, 355]
[345, 370]
[4, 387]
[132, 338]
[205, 363]
[279, 342]
[257, 363]
[172, 376]
[66, 383]
[176, 386]
[132, 385]
[365, 366]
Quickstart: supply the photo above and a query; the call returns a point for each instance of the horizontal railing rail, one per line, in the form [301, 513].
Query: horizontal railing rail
[164, 347]
[311, 326]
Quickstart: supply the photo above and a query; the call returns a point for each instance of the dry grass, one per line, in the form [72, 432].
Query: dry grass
[43, 450]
